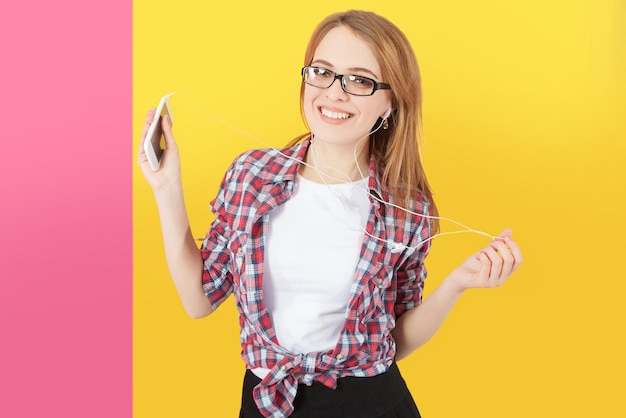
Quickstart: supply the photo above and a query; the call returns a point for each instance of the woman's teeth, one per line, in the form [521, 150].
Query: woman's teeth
[334, 115]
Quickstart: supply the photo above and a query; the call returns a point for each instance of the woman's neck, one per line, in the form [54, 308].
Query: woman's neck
[333, 163]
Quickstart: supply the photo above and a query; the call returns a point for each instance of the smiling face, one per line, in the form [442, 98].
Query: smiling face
[334, 116]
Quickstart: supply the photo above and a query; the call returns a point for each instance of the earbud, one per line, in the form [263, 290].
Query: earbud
[387, 113]
[397, 247]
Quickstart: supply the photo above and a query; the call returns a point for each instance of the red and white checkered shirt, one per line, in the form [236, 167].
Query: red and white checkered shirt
[386, 283]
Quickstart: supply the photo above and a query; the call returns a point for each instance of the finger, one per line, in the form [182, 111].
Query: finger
[148, 122]
[508, 261]
[485, 269]
[496, 265]
[515, 252]
[507, 237]
[146, 126]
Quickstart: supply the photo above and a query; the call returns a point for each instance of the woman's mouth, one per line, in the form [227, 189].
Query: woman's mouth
[334, 115]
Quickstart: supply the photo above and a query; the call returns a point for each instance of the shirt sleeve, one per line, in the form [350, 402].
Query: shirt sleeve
[217, 279]
[411, 273]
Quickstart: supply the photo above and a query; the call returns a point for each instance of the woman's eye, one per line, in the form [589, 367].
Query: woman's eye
[322, 72]
[361, 81]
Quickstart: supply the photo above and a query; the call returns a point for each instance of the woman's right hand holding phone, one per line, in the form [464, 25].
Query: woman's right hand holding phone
[168, 173]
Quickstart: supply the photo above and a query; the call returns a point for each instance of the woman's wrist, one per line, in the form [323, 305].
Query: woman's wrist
[453, 286]
[168, 190]
[170, 198]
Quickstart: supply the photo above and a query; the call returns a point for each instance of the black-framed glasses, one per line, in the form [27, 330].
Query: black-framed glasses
[350, 83]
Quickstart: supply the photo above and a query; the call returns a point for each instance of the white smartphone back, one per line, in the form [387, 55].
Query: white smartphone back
[154, 145]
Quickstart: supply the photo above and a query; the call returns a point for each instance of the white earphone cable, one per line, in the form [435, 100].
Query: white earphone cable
[394, 245]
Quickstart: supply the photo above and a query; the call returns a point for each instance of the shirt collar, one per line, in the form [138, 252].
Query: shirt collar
[285, 168]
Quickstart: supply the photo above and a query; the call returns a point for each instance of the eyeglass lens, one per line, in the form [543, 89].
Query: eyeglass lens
[353, 84]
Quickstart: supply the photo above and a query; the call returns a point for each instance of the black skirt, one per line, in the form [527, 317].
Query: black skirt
[382, 396]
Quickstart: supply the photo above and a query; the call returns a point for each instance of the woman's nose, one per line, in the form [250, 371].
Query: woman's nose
[336, 91]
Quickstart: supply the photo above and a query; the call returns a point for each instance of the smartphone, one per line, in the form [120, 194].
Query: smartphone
[154, 145]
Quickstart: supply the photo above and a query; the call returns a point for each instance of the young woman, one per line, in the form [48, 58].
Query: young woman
[323, 243]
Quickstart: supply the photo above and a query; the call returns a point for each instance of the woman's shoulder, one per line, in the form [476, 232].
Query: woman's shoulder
[268, 155]
[268, 162]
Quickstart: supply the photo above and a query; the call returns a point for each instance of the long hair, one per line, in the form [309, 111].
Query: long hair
[397, 149]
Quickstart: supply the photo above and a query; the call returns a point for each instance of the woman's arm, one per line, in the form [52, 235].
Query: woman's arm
[183, 256]
[490, 267]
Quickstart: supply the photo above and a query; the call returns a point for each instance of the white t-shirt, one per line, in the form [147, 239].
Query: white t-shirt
[311, 252]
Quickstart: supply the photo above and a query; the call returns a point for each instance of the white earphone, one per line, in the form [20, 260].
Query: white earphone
[395, 247]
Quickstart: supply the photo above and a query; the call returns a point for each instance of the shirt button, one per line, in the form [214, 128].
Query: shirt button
[283, 368]
[339, 357]
[308, 379]
[239, 251]
[379, 282]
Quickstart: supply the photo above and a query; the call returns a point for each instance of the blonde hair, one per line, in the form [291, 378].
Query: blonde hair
[396, 149]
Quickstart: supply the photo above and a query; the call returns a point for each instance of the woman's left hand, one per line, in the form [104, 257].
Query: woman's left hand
[491, 266]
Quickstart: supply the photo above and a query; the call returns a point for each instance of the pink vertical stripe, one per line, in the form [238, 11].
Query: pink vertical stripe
[65, 209]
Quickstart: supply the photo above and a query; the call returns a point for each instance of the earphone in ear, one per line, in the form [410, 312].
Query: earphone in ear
[387, 113]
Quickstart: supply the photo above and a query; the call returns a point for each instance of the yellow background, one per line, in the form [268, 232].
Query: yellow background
[524, 124]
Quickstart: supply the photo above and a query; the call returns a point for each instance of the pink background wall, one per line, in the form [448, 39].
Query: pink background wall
[65, 209]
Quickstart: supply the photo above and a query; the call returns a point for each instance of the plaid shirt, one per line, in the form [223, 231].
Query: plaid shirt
[386, 283]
